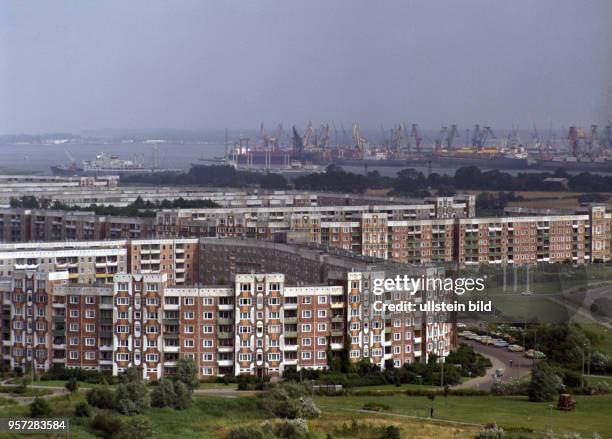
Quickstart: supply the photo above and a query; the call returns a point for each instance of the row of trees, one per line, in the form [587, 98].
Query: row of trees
[138, 208]
[462, 362]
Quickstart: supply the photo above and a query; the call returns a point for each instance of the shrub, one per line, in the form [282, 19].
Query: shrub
[286, 429]
[132, 398]
[40, 408]
[101, 397]
[600, 388]
[309, 410]
[544, 384]
[512, 387]
[245, 433]
[391, 432]
[138, 427]
[163, 395]
[186, 372]
[72, 385]
[82, 410]
[491, 431]
[183, 396]
[108, 425]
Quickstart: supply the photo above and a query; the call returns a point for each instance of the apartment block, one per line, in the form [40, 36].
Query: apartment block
[88, 262]
[257, 325]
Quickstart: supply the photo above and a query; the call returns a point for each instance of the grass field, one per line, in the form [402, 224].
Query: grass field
[455, 417]
[592, 413]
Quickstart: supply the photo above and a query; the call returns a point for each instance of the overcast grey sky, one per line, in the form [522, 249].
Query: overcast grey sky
[72, 65]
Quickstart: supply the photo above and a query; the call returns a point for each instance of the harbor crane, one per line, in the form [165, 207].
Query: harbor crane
[298, 143]
[360, 141]
[414, 133]
[593, 139]
[480, 135]
[309, 133]
[607, 136]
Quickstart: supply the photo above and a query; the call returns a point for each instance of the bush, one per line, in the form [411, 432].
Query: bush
[309, 410]
[491, 431]
[72, 385]
[40, 408]
[245, 433]
[544, 384]
[138, 427]
[102, 398]
[391, 432]
[186, 373]
[82, 410]
[59, 372]
[108, 425]
[183, 396]
[163, 395]
[132, 398]
[511, 388]
[286, 429]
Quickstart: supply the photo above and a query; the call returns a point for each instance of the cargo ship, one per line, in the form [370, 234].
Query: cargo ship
[487, 157]
[105, 164]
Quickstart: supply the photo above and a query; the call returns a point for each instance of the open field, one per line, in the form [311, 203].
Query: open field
[592, 413]
[454, 417]
[214, 417]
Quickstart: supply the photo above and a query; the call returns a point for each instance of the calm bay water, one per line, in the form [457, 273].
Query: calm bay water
[39, 158]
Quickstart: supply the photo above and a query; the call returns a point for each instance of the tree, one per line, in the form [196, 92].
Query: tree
[186, 373]
[183, 396]
[40, 408]
[273, 181]
[132, 397]
[163, 395]
[72, 385]
[101, 397]
[544, 384]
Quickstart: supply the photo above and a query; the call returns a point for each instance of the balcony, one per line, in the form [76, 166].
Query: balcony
[291, 320]
[290, 334]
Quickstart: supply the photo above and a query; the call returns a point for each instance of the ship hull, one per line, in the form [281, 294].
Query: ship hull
[574, 166]
[384, 162]
[65, 172]
[496, 162]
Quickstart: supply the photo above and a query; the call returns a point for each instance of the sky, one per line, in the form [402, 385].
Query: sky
[145, 64]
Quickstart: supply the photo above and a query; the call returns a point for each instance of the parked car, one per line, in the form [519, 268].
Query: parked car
[515, 348]
[531, 353]
[501, 344]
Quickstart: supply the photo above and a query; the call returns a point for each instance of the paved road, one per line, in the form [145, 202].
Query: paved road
[500, 358]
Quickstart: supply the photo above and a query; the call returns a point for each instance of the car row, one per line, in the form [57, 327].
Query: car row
[489, 340]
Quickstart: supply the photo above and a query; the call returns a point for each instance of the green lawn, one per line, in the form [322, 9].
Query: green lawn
[62, 383]
[212, 385]
[592, 413]
[213, 417]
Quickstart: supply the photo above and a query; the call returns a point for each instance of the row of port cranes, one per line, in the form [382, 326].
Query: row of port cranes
[327, 141]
